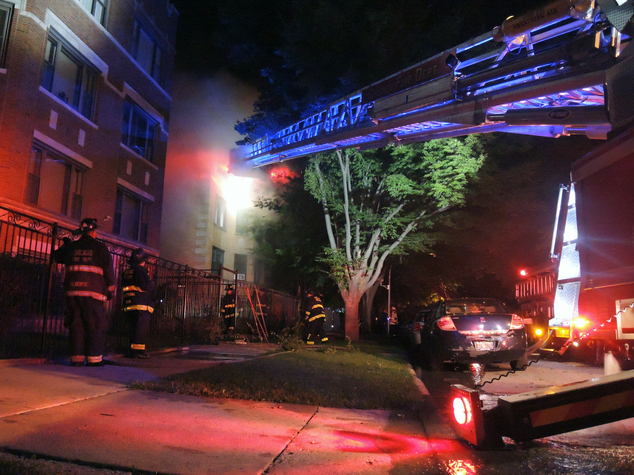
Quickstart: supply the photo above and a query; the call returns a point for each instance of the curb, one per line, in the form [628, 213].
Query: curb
[419, 384]
[23, 362]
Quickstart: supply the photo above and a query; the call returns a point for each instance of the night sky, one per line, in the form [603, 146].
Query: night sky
[203, 45]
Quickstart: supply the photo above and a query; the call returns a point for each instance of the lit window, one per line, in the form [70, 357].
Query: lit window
[146, 52]
[130, 217]
[220, 216]
[68, 76]
[54, 183]
[97, 8]
[6, 12]
[139, 130]
[217, 258]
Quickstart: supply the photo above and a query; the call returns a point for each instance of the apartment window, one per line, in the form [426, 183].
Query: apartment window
[146, 52]
[139, 130]
[68, 76]
[220, 215]
[217, 258]
[97, 8]
[131, 217]
[6, 13]
[54, 183]
[240, 265]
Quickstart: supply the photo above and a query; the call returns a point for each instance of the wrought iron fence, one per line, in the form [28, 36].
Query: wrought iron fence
[187, 299]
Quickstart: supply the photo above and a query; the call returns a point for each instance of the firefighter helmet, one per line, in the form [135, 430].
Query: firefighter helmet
[138, 256]
[86, 225]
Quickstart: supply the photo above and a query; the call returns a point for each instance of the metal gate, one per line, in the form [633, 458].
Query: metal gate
[32, 300]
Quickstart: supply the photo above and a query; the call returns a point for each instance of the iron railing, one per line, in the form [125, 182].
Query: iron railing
[187, 299]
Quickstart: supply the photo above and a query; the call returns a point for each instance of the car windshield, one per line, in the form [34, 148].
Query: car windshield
[463, 307]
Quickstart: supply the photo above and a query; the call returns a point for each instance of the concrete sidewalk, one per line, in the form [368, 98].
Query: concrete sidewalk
[89, 415]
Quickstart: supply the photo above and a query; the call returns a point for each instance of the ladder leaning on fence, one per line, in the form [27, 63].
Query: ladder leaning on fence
[258, 314]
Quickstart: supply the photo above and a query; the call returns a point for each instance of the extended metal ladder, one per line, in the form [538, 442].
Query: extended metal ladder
[258, 314]
[543, 73]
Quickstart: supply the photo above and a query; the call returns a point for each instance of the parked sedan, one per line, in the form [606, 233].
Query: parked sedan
[472, 331]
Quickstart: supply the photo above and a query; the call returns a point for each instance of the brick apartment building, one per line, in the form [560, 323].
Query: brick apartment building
[85, 98]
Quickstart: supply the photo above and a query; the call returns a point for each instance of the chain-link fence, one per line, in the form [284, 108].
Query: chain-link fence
[187, 300]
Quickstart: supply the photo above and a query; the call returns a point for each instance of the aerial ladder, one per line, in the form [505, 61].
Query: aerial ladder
[562, 69]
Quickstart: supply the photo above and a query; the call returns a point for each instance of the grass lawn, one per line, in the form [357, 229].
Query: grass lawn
[369, 376]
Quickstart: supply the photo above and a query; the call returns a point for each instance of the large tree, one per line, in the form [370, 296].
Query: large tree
[386, 201]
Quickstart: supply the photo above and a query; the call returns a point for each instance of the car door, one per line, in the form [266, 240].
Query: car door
[428, 323]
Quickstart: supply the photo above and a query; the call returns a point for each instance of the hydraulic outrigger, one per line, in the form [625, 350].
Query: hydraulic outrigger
[544, 412]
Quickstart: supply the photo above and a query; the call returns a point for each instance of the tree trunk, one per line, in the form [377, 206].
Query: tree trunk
[352, 316]
[369, 302]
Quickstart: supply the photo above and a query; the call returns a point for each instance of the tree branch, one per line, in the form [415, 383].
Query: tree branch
[324, 204]
[345, 176]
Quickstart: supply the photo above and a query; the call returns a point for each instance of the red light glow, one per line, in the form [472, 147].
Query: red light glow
[446, 324]
[523, 272]
[516, 323]
[281, 175]
[462, 410]
[460, 467]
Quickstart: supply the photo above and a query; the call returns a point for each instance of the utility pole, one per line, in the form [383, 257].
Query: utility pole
[389, 298]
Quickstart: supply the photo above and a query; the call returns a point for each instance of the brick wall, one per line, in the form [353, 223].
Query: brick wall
[26, 110]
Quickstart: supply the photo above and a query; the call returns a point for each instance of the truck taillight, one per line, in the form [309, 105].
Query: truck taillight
[446, 324]
[462, 410]
[516, 323]
[581, 322]
[467, 414]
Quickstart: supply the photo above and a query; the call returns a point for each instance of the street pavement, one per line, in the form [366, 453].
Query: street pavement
[89, 415]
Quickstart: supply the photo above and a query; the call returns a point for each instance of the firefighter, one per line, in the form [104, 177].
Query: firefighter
[316, 318]
[228, 309]
[138, 302]
[88, 285]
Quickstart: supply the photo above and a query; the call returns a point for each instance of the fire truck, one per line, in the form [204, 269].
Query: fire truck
[536, 294]
[593, 249]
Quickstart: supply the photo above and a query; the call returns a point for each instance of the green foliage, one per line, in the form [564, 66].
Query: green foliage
[506, 223]
[289, 241]
[290, 338]
[387, 201]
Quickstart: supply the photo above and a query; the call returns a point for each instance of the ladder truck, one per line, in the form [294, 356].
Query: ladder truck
[593, 249]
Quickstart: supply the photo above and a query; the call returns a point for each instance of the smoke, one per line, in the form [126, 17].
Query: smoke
[201, 135]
